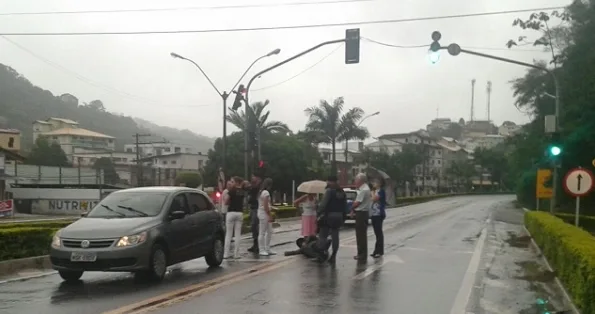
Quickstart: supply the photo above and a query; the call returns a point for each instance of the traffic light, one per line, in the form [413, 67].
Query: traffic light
[352, 39]
[554, 149]
[237, 103]
[434, 51]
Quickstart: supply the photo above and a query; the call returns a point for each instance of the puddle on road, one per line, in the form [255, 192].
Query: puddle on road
[518, 241]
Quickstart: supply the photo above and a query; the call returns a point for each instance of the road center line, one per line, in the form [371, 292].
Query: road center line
[179, 295]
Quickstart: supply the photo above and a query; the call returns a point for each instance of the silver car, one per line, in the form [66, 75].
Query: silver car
[141, 230]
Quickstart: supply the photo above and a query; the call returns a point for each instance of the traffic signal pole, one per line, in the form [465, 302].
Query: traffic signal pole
[268, 70]
[455, 49]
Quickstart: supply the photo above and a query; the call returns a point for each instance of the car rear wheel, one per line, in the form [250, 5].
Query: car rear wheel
[215, 257]
[71, 275]
[157, 265]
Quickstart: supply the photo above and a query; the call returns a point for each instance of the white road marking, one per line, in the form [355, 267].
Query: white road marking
[462, 298]
[372, 268]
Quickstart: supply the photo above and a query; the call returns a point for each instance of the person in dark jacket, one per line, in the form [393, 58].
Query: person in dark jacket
[330, 216]
[253, 192]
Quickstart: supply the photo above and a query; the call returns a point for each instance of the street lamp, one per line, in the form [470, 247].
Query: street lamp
[360, 122]
[224, 95]
[455, 49]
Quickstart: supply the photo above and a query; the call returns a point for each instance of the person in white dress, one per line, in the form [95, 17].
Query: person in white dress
[265, 217]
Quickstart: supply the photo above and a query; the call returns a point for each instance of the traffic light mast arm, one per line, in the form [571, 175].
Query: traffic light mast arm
[288, 60]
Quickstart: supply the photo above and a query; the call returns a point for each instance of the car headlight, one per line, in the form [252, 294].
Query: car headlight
[56, 242]
[132, 239]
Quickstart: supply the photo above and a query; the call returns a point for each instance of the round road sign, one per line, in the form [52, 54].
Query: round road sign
[578, 182]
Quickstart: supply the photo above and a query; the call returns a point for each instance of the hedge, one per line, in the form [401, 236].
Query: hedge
[571, 252]
[585, 222]
[55, 224]
[25, 242]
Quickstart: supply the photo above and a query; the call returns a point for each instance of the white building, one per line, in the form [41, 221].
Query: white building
[385, 145]
[157, 149]
[71, 138]
[165, 168]
[509, 128]
[439, 124]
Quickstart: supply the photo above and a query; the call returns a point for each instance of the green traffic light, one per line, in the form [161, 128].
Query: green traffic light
[555, 150]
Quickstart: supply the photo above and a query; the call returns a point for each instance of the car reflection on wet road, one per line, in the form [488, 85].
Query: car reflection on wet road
[431, 250]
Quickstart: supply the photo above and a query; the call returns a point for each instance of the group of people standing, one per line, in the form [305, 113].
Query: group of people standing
[258, 193]
[319, 219]
[325, 219]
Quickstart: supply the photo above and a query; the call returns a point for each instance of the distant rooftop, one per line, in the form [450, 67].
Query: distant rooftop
[64, 120]
[67, 121]
[76, 132]
[10, 131]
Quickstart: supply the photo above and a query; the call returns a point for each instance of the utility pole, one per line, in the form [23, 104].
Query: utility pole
[489, 91]
[472, 98]
[139, 165]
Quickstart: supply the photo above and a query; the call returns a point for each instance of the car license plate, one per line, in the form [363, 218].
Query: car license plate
[83, 257]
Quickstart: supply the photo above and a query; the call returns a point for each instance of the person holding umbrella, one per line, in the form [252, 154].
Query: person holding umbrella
[308, 204]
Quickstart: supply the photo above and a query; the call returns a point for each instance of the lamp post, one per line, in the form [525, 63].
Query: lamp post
[360, 122]
[224, 95]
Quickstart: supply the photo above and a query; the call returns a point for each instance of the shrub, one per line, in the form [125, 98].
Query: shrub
[25, 242]
[57, 224]
[585, 222]
[571, 252]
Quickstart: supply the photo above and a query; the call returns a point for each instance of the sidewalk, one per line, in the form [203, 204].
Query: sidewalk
[514, 278]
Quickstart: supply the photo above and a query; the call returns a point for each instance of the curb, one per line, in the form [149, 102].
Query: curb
[41, 263]
[573, 307]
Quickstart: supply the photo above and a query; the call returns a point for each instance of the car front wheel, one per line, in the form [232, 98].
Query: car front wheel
[215, 256]
[157, 265]
[70, 275]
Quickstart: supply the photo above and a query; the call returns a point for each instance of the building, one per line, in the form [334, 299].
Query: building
[438, 125]
[385, 145]
[10, 139]
[71, 138]
[164, 168]
[118, 158]
[428, 175]
[157, 149]
[6, 156]
[509, 128]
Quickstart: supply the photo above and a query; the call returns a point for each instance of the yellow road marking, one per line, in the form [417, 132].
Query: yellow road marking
[198, 289]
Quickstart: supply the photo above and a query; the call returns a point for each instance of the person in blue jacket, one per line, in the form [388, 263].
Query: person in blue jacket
[378, 214]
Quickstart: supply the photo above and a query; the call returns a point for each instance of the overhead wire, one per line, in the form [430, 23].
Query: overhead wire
[286, 27]
[382, 44]
[189, 8]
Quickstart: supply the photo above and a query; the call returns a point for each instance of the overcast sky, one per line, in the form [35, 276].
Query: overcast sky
[135, 75]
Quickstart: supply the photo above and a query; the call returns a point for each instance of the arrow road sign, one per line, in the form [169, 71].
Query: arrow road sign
[578, 182]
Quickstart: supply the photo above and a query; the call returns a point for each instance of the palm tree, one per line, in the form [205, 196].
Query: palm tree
[257, 120]
[327, 125]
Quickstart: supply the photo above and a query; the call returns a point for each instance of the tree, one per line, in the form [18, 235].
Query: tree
[96, 105]
[188, 179]
[461, 172]
[257, 119]
[45, 153]
[327, 124]
[454, 130]
[573, 52]
[109, 170]
[286, 158]
[400, 166]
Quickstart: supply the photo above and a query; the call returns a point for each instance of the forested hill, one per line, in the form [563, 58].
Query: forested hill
[21, 103]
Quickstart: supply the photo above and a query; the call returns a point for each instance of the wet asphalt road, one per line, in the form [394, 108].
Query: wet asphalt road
[429, 247]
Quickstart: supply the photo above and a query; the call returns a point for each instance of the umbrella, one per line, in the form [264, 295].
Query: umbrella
[312, 187]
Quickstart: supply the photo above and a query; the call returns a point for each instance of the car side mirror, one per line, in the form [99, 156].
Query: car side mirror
[178, 214]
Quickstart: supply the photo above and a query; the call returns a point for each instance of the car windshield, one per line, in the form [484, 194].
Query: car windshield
[129, 204]
[351, 195]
